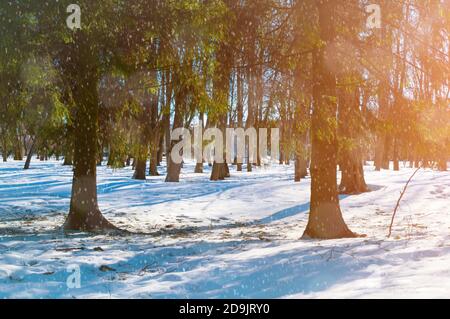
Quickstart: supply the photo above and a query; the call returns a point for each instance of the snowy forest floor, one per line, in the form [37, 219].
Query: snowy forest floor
[238, 238]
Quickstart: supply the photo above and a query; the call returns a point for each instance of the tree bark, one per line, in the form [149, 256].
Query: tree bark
[160, 150]
[29, 156]
[173, 168]
[153, 170]
[352, 181]
[218, 172]
[442, 165]
[301, 170]
[350, 132]
[199, 168]
[18, 154]
[80, 71]
[4, 147]
[221, 93]
[140, 169]
[115, 159]
[141, 158]
[67, 160]
[395, 155]
[325, 217]
[381, 149]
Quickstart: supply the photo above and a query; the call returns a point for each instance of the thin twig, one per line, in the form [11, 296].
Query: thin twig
[400, 198]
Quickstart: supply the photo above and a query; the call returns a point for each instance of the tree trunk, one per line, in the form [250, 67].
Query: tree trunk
[386, 153]
[325, 217]
[173, 171]
[395, 157]
[249, 165]
[4, 148]
[221, 94]
[173, 168]
[301, 120]
[29, 156]
[141, 158]
[18, 154]
[218, 172]
[442, 165]
[115, 159]
[84, 214]
[352, 181]
[349, 129]
[281, 161]
[100, 158]
[250, 116]
[153, 170]
[199, 168]
[68, 158]
[301, 170]
[140, 169]
[240, 110]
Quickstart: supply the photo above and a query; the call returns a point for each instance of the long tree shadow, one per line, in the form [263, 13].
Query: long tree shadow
[280, 215]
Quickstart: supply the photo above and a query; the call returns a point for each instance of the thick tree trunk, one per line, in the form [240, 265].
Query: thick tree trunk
[68, 158]
[153, 170]
[349, 128]
[115, 159]
[301, 170]
[18, 153]
[160, 150]
[442, 165]
[173, 171]
[352, 181]
[301, 120]
[221, 93]
[226, 170]
[199, 168]
[100, 158]
[379, 152]
[218, 172]
[79, 71]
[140, 169]
[325, 217]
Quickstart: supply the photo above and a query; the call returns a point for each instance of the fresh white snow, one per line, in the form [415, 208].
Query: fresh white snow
[238, 238]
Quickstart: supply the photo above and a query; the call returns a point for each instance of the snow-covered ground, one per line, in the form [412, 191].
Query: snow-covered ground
[238, 238]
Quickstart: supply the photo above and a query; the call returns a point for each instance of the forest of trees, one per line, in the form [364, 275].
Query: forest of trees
[340, 91]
